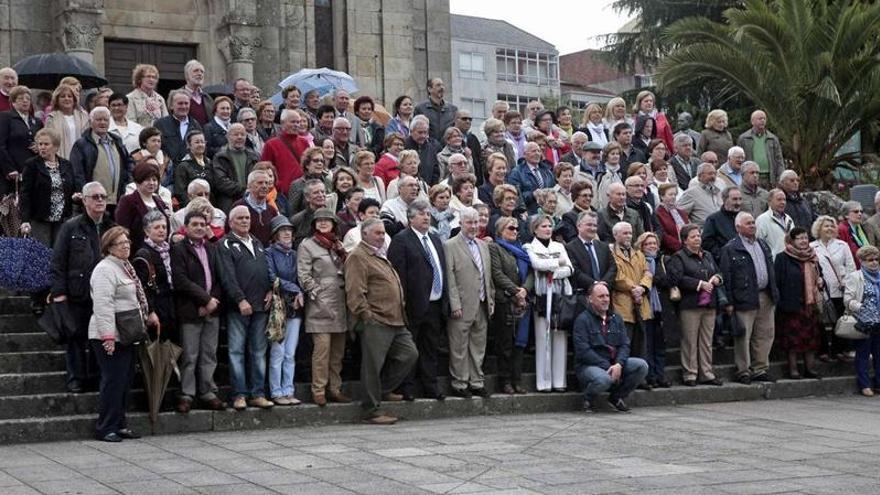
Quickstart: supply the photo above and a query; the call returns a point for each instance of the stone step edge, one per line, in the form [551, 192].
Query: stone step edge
[79, 427]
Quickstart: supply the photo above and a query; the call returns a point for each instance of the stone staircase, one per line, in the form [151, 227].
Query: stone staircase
[35, 407]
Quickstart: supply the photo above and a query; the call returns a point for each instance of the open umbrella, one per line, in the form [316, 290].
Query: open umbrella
[24, 264]
[216, 90]
[323, 80]
[46, 70]
[158, 361]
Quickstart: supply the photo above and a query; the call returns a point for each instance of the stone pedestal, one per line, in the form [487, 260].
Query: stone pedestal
[240, 38]
[79, 25]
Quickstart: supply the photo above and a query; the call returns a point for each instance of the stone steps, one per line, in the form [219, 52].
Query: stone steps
[32, 362]
[80, 426]
[25, 342]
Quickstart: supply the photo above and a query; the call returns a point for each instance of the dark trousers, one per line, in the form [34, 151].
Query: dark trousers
[81, 367]
[426, 334]
[655, 352]
[865, 349]
[117, 372]
[509, 356]
[387, 356]
[636, 334]
[831, 344]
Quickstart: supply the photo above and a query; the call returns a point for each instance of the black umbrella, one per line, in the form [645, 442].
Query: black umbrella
[219, 90]
[46, 70]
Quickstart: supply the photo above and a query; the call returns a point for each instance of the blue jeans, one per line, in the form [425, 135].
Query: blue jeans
[281, 362]
[595, 380]
[865, 348]
[250, 332]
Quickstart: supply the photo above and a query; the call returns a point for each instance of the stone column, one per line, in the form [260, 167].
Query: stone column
[239, 36]
[79, 25]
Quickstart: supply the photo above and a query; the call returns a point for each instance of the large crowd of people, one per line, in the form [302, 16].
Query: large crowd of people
[422, 235]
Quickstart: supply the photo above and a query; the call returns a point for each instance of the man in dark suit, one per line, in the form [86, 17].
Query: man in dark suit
[591, 257]
[420, 140]
[418, 257]
[174, 127]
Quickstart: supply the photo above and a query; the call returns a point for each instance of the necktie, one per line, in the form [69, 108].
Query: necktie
[475, 254]
[593, 260]
[436, 282]
[537, 174]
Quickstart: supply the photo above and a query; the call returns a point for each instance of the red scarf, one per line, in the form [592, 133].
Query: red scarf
[329, 242]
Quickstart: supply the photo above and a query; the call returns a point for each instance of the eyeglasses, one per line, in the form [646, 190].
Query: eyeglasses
[122, 243]
[202, 194]
[98, 197]
[872, 260]
[855, 211]
[511, 227]
[467, 118]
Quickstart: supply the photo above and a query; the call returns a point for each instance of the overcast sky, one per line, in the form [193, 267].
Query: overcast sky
[571, 25]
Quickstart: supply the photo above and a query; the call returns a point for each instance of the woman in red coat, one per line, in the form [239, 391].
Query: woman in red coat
[132, 207]
[671, 219]
[645, 106]
[854, 232]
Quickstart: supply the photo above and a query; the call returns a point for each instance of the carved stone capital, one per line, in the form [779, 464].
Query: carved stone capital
[81, 37]
[243, 48]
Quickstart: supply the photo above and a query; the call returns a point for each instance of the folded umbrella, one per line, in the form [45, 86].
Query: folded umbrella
[158, 362]
[46, 70]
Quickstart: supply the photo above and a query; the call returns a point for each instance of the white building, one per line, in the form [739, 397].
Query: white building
[494, 60]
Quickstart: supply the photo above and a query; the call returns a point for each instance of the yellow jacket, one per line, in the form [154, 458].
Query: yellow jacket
[632, 271]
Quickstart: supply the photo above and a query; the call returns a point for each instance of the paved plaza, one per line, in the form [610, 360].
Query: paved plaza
[813, 446]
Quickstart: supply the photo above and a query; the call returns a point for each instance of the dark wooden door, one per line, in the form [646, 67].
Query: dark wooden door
[120, 58]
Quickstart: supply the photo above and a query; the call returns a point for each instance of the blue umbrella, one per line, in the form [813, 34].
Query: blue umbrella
[322, 80]
[24, 264]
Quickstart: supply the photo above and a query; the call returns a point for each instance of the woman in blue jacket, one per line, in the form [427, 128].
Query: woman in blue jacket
[281, 258]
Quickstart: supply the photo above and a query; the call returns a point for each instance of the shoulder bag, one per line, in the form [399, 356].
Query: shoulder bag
[674, 291]
[131, 327]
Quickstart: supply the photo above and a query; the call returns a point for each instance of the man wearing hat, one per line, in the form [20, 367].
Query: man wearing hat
[584, 155]
[374, 296]
[262, 212]
[316, 197]
[248, 291]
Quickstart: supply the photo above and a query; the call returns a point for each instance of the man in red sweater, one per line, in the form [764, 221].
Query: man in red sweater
[285, 150]
[8, 80]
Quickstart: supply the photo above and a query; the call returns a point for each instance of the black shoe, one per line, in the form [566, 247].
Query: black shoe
[689, 383]
[744, 379]
[763, 377]
[618, 404]
[715, 381]
[507, 389]
[110, 437]
[464, 393]
[645, 386]
[793, 376]
[128, 434]
[588, 407]
[481, 392]
[409, 397]
[812, 374]
[663, 383]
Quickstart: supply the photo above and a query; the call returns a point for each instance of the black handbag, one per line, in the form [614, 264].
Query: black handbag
[131, 327]
[563, 310]
[829, 310]
[57, 322]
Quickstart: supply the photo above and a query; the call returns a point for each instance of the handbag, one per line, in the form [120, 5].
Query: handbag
[564, 309]
[57, 322]
[277, 321]
[131, 327]
[829, 311]
[846, 328]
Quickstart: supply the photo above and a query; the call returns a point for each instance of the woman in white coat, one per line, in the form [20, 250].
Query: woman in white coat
[552, 269]
[836, 261]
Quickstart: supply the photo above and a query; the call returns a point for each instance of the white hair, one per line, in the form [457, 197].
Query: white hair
[749, 164]
[197, 183]
[741, 217]
[468, 213]
[787, 173]
[244, 111]
[237, 125]
[287, 112]
[191, 65]
[238, 210]
[254, 174]
[99, 111]
[877, 197]
[340, 120]
[735, 149]
[580, 135]
[419, 120]
[91, 186]
[456, 156]
[619, 226]
[703, 167]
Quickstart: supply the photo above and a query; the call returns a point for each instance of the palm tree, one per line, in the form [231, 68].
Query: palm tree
[812, 65]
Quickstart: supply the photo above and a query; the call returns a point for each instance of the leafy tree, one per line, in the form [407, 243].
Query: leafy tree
[812, 65]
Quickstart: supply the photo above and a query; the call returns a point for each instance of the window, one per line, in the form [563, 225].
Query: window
[470, 65]
[516, 102]
[475, 106]
[526, 67]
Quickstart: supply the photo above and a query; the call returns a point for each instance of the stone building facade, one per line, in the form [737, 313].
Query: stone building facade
[389, 46]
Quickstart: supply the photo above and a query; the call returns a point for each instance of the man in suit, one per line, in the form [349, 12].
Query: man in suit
[418, 257]
[591, 257]
[617, 211]
[531, 174]
[471, 303]
[427, 147]
[463, 121]
[174, 127]
[683, 162]
[201, 105]
[195, 265]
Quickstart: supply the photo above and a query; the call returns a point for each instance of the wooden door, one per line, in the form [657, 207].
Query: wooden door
[121, 57]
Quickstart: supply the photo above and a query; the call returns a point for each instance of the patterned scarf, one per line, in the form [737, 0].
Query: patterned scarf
[858, 235]
[329, 242]
[164, 251]
[654, 295]
[810, 262]
[139, 289]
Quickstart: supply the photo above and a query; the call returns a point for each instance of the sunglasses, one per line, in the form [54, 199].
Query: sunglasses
[511, 227]
[98, 197]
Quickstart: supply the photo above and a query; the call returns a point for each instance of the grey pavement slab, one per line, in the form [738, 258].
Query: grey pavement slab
[811, 446]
